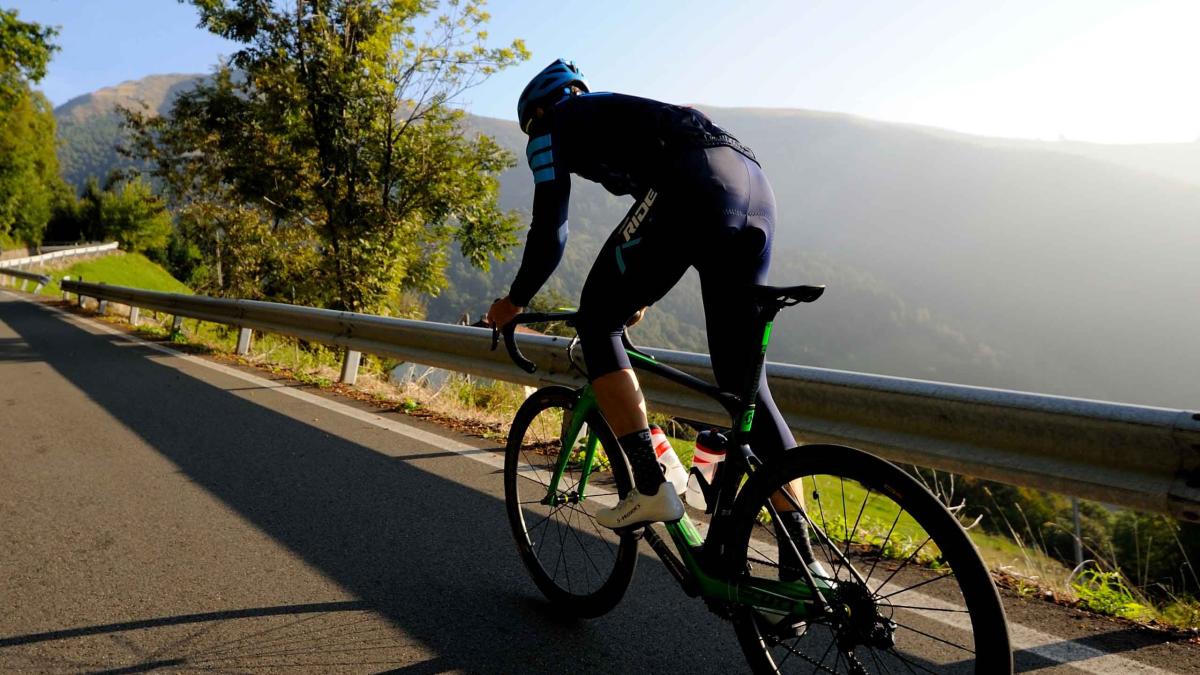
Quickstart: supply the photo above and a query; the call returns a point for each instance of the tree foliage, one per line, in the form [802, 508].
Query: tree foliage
[126, 211]
[25, 51]
[130, 213]
[29, 182]
[331, 135]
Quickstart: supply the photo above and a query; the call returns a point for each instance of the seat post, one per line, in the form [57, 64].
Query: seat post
[766, 320]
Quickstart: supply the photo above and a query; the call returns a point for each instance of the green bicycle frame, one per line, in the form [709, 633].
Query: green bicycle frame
[796, 598]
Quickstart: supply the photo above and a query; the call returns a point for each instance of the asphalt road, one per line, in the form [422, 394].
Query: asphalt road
[162, 512]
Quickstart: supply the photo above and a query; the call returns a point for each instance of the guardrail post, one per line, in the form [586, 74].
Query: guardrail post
[243, 345]
[176, 325]
[133, 315]
[24, 285]
[65, 294]
[350, 367]
[103, 308]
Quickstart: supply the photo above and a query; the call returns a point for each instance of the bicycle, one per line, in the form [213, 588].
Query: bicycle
[899, 586]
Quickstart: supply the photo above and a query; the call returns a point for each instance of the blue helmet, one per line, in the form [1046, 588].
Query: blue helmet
[552, 84]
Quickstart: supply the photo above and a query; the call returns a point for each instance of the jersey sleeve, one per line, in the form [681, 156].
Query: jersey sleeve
[547, 238]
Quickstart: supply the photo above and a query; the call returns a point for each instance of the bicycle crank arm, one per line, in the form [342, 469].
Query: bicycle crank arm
[672, 562]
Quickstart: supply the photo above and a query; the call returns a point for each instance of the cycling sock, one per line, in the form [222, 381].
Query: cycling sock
[647, 475]
[797, 528]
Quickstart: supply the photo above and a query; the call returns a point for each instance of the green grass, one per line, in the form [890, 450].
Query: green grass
[1107, 593]
[123, 269]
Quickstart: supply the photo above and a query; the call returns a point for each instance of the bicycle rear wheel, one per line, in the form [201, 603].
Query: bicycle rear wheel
[909, 593]
[580, 566]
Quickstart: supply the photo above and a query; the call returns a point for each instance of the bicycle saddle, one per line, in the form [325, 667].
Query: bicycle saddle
[785, 296]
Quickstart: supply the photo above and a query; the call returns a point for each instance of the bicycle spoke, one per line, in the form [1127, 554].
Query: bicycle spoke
[832, 641]
[845, 518]
[583, 548]
[878, 664]
[912, 556]
[882, 548]
[599, 532]
[573, 561]
[928, 609]
[791, 651]
[529, 530]
[909, 664]
[765, 560]
[869, 492]
[571, 530]
[562, 555]
[857, 520]
[909, 588]
[934, 637]
[825, 540]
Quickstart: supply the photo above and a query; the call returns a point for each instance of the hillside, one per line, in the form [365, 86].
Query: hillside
[1019, 264]
[117, 268]
[89, 127]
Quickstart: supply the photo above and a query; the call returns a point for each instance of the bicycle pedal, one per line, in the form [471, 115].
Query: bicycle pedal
[789, 632]
[786, 628]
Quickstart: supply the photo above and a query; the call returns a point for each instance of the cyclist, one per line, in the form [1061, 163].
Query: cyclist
[700, 200]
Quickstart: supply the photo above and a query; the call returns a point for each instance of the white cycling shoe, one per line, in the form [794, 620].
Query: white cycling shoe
[639, 509]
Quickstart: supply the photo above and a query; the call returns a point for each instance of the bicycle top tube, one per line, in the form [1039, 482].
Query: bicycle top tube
[729, 401]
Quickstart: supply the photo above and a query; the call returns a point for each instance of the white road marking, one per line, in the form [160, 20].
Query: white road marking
[1051, 647]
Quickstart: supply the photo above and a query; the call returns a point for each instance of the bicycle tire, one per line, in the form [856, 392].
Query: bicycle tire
[600, 580]
[932, 608]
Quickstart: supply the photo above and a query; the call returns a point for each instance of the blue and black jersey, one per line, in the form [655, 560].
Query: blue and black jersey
[626, 143]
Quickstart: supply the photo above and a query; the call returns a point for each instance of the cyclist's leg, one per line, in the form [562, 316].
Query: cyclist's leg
[635, 268]
[737, 254]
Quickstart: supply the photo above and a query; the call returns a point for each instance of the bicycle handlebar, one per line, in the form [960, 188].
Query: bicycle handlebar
[510, 341]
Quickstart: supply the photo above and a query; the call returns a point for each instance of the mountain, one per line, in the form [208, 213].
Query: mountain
[1054, 267]
[1079, 268]
[89, 127]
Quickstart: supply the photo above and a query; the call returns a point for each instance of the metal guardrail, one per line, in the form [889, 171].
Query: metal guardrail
[39, 280]
[1135, 456]
[55, 255]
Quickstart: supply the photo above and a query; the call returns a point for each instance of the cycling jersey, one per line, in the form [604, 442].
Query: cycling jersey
[700, 200]
[626, 143]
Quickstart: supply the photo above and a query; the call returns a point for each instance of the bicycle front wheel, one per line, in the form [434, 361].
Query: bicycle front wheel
[905, 588]
[579, 565]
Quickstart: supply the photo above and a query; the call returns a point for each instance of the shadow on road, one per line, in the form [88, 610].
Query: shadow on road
[1111, 642]
[433, 556]
[17, 349]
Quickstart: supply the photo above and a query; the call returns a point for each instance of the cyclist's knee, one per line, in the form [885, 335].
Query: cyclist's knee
[603, 350]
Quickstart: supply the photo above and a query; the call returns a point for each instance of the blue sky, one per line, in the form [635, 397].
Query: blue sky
[1099, 70]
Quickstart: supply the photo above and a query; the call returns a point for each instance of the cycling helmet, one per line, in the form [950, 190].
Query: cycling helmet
[553, 83]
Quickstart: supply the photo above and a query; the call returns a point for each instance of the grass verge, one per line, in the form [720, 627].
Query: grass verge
[118, 269]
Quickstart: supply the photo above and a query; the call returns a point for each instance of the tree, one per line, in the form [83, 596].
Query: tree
[133, 215]
[334, 125]
[25, 51]
[29, 180]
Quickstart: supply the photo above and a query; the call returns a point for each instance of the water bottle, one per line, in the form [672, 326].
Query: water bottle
[668, 461]
[710, 452]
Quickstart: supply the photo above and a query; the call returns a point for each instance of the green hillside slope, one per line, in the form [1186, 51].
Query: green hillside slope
[120, 269]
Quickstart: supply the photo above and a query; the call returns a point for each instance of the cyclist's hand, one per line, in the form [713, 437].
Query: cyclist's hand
[637, 316]
[502, 312]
